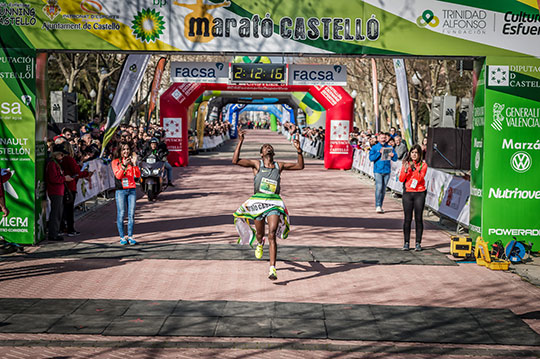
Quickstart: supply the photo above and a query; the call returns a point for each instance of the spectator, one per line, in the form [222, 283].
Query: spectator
[70, 167]
[55, 184]
[424, 147]
[3, 206]
[400, 147]
[125, 171]
[413, 174]
[393, 132]
[381, 154]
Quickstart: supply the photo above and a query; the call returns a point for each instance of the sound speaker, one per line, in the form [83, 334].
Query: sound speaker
[435, 117]
[448, 148]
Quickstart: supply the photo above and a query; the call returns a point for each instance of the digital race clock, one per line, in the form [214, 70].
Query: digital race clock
[265, 73]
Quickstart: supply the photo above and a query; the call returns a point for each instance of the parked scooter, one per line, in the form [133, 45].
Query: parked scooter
[153, 176]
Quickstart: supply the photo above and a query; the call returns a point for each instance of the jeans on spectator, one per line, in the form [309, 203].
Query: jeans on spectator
[381, 180]
[55, 216]
[122, 196]
[168, 167]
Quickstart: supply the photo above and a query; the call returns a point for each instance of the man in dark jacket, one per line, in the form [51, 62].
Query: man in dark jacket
[55, 183]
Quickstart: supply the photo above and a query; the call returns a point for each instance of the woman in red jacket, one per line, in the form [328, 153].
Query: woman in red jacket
[125, 171]
[413, 172]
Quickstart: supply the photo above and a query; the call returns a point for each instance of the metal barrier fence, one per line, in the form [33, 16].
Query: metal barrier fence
[447, 195]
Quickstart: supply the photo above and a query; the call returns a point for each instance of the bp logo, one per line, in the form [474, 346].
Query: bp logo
[498, 117]
[427, 18]
[148, 25]
[521, 162]
[498, 76]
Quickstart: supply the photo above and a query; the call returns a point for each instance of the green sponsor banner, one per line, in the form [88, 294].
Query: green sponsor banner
[430, 27]
[511, 169]
[17, 142]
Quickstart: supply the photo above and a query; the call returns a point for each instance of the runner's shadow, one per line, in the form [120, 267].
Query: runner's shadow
[318, 269]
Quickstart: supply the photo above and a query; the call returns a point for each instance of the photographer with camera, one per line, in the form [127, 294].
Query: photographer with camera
[413, 173]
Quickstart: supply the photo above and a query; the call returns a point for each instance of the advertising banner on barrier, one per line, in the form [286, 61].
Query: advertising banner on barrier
[446, 194]
[101, 181]
[429, 27]
[18, 143]
[511, 189]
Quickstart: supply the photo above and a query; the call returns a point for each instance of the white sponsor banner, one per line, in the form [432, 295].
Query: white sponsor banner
[202, 72]
[330, 75]
[506, 30]
[446, 194]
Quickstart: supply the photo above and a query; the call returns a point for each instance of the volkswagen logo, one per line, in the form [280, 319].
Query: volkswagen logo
[521, 162]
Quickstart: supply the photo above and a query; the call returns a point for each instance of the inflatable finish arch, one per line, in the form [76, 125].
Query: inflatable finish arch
[175, 103]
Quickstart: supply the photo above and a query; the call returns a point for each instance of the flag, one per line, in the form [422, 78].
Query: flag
[130, 79]
[155, 87]
[403, 93]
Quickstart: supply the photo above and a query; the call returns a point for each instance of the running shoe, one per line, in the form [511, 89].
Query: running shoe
[272, 274]
[418, 247]
[73, 234]
[405, 246]
[131, 241]
[123, 241]
[259, 251]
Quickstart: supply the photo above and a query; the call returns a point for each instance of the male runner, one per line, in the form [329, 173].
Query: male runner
[265, 204]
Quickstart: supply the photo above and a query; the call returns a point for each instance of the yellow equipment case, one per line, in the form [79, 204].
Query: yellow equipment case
[483, 258]
[461, 247]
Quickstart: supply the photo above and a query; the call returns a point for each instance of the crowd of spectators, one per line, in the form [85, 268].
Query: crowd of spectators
[216, 128]
[366, 139]
[66, 157]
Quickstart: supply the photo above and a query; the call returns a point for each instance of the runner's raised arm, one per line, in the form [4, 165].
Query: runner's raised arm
[236, 156]
[299, 165]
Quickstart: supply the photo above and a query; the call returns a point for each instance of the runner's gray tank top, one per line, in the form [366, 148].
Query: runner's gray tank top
[267, 179]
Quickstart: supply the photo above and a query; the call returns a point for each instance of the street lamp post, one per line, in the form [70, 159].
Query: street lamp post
[92, 96]
[416, 82]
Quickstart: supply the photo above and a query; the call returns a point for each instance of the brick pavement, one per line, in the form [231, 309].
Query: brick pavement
[328, 208]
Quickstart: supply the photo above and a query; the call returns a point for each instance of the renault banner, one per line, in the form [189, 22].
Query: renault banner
[17, 143]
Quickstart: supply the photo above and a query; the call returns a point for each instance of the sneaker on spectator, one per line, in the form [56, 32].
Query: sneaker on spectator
[123, 241]
[73, 234]
[418, 247]
[405, 247]
[379, 209]
[131, 241]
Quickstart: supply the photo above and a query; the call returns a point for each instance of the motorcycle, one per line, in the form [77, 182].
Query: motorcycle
[153, 177]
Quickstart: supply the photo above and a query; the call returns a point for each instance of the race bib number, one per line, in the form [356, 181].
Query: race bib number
[125, 183]
[268, 186]
[414, 183]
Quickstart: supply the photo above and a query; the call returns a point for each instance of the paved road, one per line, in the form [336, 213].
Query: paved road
[329, 209]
